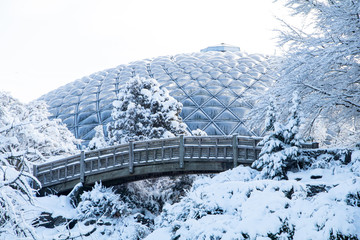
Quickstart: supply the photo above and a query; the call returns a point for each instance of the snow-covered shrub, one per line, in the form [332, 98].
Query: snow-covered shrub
[237, 205]
[198, 132]
[26, 132]
[280, 150]
[144, 111]
[152, 194]
[102, 213]
[98, 141]
[15, 194]
[101, 202]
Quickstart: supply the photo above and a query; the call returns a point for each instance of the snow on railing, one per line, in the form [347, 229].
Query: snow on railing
[179, 151]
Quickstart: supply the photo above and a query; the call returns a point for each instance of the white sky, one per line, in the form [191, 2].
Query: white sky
[45, 44]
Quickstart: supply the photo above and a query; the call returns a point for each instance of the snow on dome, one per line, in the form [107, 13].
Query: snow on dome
[211, 85]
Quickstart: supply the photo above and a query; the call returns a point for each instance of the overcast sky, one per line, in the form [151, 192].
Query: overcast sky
[45, 44]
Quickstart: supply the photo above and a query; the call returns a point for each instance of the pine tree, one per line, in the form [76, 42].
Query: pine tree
[144, 111]
[280, 151]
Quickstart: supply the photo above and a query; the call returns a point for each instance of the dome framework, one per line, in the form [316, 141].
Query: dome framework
[211, 85]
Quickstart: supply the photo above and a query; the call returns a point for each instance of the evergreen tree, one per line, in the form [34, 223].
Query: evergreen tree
[144, 111]
[280, 151]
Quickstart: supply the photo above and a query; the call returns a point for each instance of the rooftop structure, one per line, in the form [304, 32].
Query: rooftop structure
[211, 85]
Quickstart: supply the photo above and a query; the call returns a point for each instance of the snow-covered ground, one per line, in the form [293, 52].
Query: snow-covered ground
[322, 202]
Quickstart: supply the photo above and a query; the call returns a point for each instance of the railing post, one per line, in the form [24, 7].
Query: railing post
[35, 170]
[131, 156]
[235, 150]
[82, 167]
[181, 151]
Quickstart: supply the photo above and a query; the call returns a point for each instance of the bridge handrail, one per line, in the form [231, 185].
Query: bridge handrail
[128, 155]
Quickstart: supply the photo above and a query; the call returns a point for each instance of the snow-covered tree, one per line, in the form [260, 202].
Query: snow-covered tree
[144, 111]
[98, 141]
[321, 62]
[26, 132]
[280, 149]
[101, 202]
[270, 118]
[15, 194]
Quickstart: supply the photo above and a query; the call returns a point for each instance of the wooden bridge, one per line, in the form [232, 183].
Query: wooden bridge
[147, 159]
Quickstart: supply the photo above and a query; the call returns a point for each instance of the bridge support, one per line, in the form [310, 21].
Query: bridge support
[131, 156]
[235, 150]
[181, 151]
[82, 167]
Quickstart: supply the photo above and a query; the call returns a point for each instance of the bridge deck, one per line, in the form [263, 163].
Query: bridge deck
[146, 159]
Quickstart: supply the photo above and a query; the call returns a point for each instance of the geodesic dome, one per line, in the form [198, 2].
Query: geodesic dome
[211, 85]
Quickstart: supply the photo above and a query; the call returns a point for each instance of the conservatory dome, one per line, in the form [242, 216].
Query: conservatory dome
[212, 85]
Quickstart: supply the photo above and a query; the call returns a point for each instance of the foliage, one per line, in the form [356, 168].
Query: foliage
[15, 193]
[26, 132]
[280, 149]
[101, 202]
[198, 132]
[321, 62]
[98, 141]
[144, 111]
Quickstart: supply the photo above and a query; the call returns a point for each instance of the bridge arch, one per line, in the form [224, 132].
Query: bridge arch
[147, 159]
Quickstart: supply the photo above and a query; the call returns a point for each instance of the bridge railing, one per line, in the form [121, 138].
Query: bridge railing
[228, 149]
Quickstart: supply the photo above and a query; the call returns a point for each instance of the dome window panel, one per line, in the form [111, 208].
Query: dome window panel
[212, 112]
[91, 89]
[92, 119]
[55, 103]
[225, 68]
[213, 103]
[71, 100]
[187, 111]
[227, 127]
[226, 116]
[247, 80]
[240, 103]
[84, 115]
[198, 115]
[76, 92]
[195, 74]
[67, 109]
[106, 116]
[163, 78]
[177, 93]
[213, 130]
[226, 97]
[107, 88]
[69, 121]
[207, 68]
[193, 125]
[88, 98]
[242, 130]
[188, 102]
[235, 74]
[240, 111]
[214, 89]
[200, 99]
[85, 130]
[215, 74]
[106, 104]
[87, 107]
